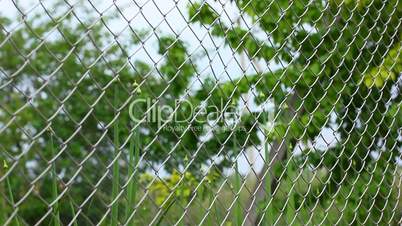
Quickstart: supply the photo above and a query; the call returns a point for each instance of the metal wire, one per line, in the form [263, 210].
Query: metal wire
[200, 112]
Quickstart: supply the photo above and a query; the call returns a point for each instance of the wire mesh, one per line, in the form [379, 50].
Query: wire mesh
[173, 112]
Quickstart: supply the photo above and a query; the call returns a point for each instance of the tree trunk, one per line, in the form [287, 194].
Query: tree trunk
[277, 154]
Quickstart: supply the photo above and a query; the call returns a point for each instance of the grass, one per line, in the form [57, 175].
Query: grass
[165, 211]
[116, 173]
[7, 189]
[72, 212]
[309, 214]
[268, 216]
[132, 187]
[56, 213]
[238, 208]
[210, 199]
[10, 193]
[290, 208]
[237, 187]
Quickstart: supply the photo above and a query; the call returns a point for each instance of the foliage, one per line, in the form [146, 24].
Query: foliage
[63, 77]
[186, 183]
[339, 58]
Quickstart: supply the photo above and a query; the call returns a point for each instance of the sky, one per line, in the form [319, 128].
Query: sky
[224, 63]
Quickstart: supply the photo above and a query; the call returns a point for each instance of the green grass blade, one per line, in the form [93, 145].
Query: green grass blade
[116, 173]
[3, 215]
[212, 213]
[269, 213]
[73, 212]
[237, 187]
[56, 213]
[132, 187]
[290, 208]
[158, 223]
[238, 210]
[10, 193]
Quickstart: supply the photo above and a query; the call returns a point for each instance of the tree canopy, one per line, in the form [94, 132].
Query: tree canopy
[340, 68]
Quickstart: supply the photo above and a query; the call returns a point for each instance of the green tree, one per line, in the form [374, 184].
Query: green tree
[71, 80]
[340, 60]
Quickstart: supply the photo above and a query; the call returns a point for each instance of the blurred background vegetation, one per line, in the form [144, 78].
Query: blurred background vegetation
[71, 154]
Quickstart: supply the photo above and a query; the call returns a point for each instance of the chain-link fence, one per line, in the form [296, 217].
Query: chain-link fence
[175, 112]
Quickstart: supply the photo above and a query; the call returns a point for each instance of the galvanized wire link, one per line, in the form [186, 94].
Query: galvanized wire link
[200, 112]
